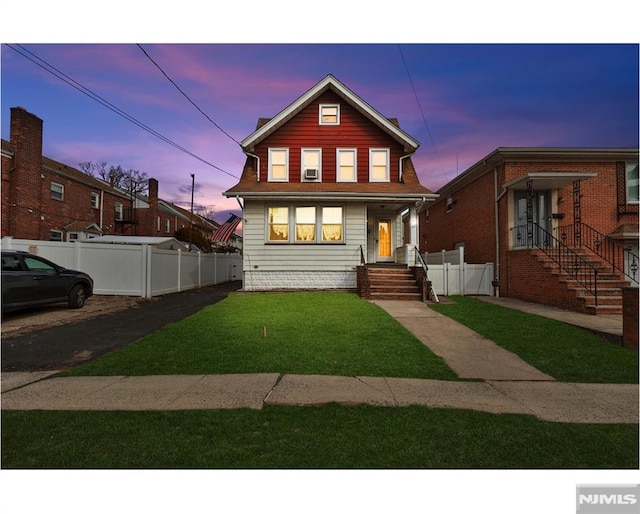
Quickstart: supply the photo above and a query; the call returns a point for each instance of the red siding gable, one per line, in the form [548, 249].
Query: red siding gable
[305, 131]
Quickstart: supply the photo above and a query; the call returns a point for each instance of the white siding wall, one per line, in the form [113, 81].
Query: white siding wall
[301, 266]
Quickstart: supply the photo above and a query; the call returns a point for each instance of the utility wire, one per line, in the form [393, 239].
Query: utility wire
[186, 96]
[84, 90]
[424, 119]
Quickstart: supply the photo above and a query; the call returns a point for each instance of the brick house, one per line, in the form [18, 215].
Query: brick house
[559, 224]
[43, 199]
[324, 187]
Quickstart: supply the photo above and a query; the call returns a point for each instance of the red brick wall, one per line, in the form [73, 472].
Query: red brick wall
[630, 317]
[470, 221]
[29, 211]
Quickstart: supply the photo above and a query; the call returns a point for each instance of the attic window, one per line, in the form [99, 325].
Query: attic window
[329, 114]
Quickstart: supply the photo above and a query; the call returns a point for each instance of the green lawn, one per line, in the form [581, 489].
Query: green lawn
[310, 437]
[307, 333]
[567, 353]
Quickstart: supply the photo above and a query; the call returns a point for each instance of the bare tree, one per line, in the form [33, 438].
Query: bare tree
[132, 181]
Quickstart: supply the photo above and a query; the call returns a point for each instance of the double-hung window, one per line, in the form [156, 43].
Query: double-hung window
[278, 164]
[631, 176]
[278, 224]
[57, 191]
[346, 165]
[118, 212]
[332, 224]
[310, 159]
[95, 201]
[379, 165]
[305, 224]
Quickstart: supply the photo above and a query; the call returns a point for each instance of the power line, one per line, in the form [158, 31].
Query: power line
[424, 119]
[186, 96]
[86, 91]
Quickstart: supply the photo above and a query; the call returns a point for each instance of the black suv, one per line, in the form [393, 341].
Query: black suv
[29, 280]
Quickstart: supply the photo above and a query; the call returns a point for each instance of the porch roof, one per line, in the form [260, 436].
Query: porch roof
[543, 180]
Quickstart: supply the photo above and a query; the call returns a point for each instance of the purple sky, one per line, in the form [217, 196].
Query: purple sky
[474, 98]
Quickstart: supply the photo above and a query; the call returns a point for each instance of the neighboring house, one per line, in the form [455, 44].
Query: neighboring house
[324, 187]
[547, 218]
[43, 199]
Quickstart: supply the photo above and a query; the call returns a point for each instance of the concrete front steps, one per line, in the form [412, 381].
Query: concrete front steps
[392, 282]
[609, 284]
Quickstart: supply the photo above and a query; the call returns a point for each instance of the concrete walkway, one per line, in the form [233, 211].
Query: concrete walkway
[493, 380]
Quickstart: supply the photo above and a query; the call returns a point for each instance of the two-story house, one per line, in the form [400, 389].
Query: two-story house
[324, 188]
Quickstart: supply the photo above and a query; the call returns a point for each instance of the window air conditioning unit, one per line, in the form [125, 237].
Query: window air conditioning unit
[310, 174]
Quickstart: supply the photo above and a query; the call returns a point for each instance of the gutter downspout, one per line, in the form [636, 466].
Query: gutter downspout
[401, 167]
[496, 274]
[258, 164]
[101, 210]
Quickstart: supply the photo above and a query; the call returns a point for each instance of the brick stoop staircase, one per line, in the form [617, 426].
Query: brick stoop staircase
[392, 282]
[610, 283]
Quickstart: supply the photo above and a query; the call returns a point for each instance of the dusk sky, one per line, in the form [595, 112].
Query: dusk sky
[461, 101]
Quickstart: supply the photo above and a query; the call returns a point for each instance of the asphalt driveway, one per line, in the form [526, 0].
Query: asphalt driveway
[66, 346]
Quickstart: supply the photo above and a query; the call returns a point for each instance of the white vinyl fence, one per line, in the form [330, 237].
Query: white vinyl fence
[136, 270]
[451, 275]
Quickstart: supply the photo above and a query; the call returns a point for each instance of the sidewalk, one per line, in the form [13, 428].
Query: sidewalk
[493, 380]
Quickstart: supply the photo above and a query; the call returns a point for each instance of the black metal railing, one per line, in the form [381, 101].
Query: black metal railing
[569, 262]
[419, 261]
[363, 260]
[620, 258]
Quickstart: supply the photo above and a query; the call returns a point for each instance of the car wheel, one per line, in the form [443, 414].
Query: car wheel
[77, 297]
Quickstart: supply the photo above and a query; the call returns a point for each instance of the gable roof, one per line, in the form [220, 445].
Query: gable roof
[329, 83]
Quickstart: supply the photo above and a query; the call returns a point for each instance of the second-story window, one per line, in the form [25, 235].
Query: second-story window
[346, 165]
[278, 164]
[379, 165]
[310, 160]
[167, 225]
[329, 114]
[95, 201]
[631, 173]
[118, 212]
[57, 191]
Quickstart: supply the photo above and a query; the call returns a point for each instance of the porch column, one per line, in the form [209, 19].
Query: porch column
[413, 226]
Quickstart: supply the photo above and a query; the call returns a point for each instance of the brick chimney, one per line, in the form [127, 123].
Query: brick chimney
[26, 140]
[153, 193]
[25, 182]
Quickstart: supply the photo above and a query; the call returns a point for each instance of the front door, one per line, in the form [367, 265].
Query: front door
[384, 241]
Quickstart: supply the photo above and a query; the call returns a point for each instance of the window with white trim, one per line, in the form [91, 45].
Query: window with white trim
[311, 224]
[278, 164]
[95, 201]
[379, 165]
[332, 224]
[631, 175]
[346, 165]
[167, 225]
[310, 161]
[55, 235]
[118, 212]
[57, 191]
[329, 114]
[305, 224]
[278, 224]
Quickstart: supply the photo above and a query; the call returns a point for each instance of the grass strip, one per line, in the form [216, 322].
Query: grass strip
[567, 353]
[331, 436]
